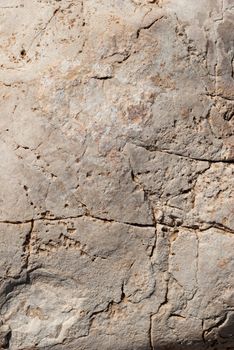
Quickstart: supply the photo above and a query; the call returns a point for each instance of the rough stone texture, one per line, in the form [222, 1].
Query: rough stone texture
[116, 168]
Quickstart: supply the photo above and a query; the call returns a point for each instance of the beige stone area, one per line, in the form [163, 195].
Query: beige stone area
[116, 173]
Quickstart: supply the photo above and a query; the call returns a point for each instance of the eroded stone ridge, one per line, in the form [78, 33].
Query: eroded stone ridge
[116, 170]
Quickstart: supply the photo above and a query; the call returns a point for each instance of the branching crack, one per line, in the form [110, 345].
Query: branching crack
[109, 306]
[218, 226]
[217, 325]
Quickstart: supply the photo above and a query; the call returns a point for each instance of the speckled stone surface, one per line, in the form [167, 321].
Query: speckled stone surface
[116, 173]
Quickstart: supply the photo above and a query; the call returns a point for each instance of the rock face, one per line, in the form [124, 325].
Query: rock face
[116, 168]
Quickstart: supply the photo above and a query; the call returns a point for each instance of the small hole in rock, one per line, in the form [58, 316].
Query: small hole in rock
[23, 53]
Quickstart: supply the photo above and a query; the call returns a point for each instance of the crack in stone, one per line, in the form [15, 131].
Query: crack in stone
[166, 301]
[18, 222]
[150, 333]
[178, 154]
[192, 55]
[217, 325]
[109, 306]
[27, 246]
[149, 25]
[197, 265]
[45, 27]
[146, 195]
[107, 77]
[217, 226]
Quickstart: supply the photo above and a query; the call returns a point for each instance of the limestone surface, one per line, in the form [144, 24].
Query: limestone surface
[116, 172]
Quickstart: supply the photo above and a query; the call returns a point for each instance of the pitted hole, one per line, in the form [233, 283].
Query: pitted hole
[23, 53]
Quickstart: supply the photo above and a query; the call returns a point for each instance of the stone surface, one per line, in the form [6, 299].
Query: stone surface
[116, 169]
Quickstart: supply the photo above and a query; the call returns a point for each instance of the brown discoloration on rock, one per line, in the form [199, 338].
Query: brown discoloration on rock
[164, 82]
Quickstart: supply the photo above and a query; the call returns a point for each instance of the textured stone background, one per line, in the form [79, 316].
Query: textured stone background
[116, 173]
